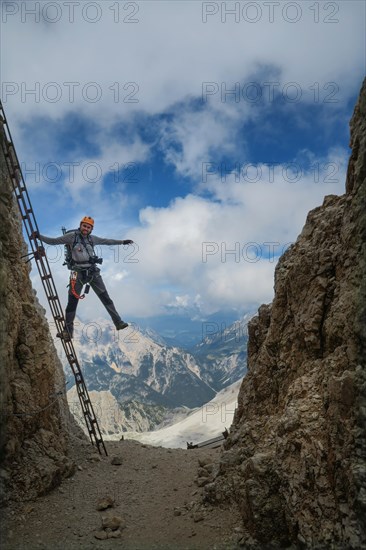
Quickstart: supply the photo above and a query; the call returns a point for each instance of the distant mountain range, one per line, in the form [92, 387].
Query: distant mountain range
[222, 353]
[147, 377]
[175, 429]
[184, 329]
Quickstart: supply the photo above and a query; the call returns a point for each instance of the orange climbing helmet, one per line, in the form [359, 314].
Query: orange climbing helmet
[87, 219]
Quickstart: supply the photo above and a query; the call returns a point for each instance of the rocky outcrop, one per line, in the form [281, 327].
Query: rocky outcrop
[295, 458]
[34, 413]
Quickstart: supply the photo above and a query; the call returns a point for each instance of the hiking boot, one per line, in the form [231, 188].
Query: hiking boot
[64, 335]
[121, 325]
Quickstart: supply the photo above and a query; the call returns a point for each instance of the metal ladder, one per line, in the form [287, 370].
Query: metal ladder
[38, 253]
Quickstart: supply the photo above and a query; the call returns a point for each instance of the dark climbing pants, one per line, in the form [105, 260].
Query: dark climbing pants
[95, 280]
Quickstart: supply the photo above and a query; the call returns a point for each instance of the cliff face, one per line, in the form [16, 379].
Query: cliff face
[34, 421]
[295, 458]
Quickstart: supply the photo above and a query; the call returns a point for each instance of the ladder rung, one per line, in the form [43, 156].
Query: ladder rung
[52, 297]
[49, 276]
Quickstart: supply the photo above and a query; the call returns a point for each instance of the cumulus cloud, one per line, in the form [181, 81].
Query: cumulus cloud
[168, 52]
[206, 254]
[223, 250]
[187, 76]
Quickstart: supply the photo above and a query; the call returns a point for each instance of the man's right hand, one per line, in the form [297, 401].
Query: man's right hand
[128, 241]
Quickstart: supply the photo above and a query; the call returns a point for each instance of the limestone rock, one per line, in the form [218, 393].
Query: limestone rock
[295, 458]
[35, 421]
[117, 461]
[105, 502]
[101, 534]
[113, 523]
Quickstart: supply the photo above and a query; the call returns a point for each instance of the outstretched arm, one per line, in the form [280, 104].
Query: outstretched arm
[68, 238]
[102, 240]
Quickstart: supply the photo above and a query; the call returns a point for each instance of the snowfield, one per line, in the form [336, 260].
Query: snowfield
[201, 424]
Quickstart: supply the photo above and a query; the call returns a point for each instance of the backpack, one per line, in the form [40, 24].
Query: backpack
[69, 262]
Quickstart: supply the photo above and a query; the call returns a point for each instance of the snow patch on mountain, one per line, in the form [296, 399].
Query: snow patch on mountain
[203, 423]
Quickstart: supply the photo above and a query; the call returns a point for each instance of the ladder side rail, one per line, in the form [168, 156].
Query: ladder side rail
[27, 208]
[23, 195]
[84, 398]
[48, 286]
[50, 289]
[83, 393]
[28, 218]
[91, 422]
[87, 417]
[19, 196]
[27, 214]
[92, 418]
[42, 268]
[42, 261]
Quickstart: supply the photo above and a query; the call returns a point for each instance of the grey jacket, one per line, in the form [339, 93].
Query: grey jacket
[82, 250]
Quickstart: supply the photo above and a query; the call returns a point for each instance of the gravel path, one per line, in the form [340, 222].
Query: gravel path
[151, 500]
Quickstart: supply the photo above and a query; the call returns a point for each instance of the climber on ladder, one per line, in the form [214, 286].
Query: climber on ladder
[84, 271]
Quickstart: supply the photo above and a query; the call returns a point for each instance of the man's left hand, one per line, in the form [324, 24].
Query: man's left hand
[128, 241]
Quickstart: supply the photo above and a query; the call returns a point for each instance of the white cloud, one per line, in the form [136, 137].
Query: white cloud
[162, 62]
[206, 254]
[89, 175]
[223, 251]
[199, 136]
[169, 53]
[120, 275]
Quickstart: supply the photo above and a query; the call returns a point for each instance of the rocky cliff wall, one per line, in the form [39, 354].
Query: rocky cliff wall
[295, 458]
[35, 421]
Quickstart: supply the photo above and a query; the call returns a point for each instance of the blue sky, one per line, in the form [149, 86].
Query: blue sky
[204, 131]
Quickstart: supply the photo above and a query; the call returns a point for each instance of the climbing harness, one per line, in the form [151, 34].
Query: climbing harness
[73, 281]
